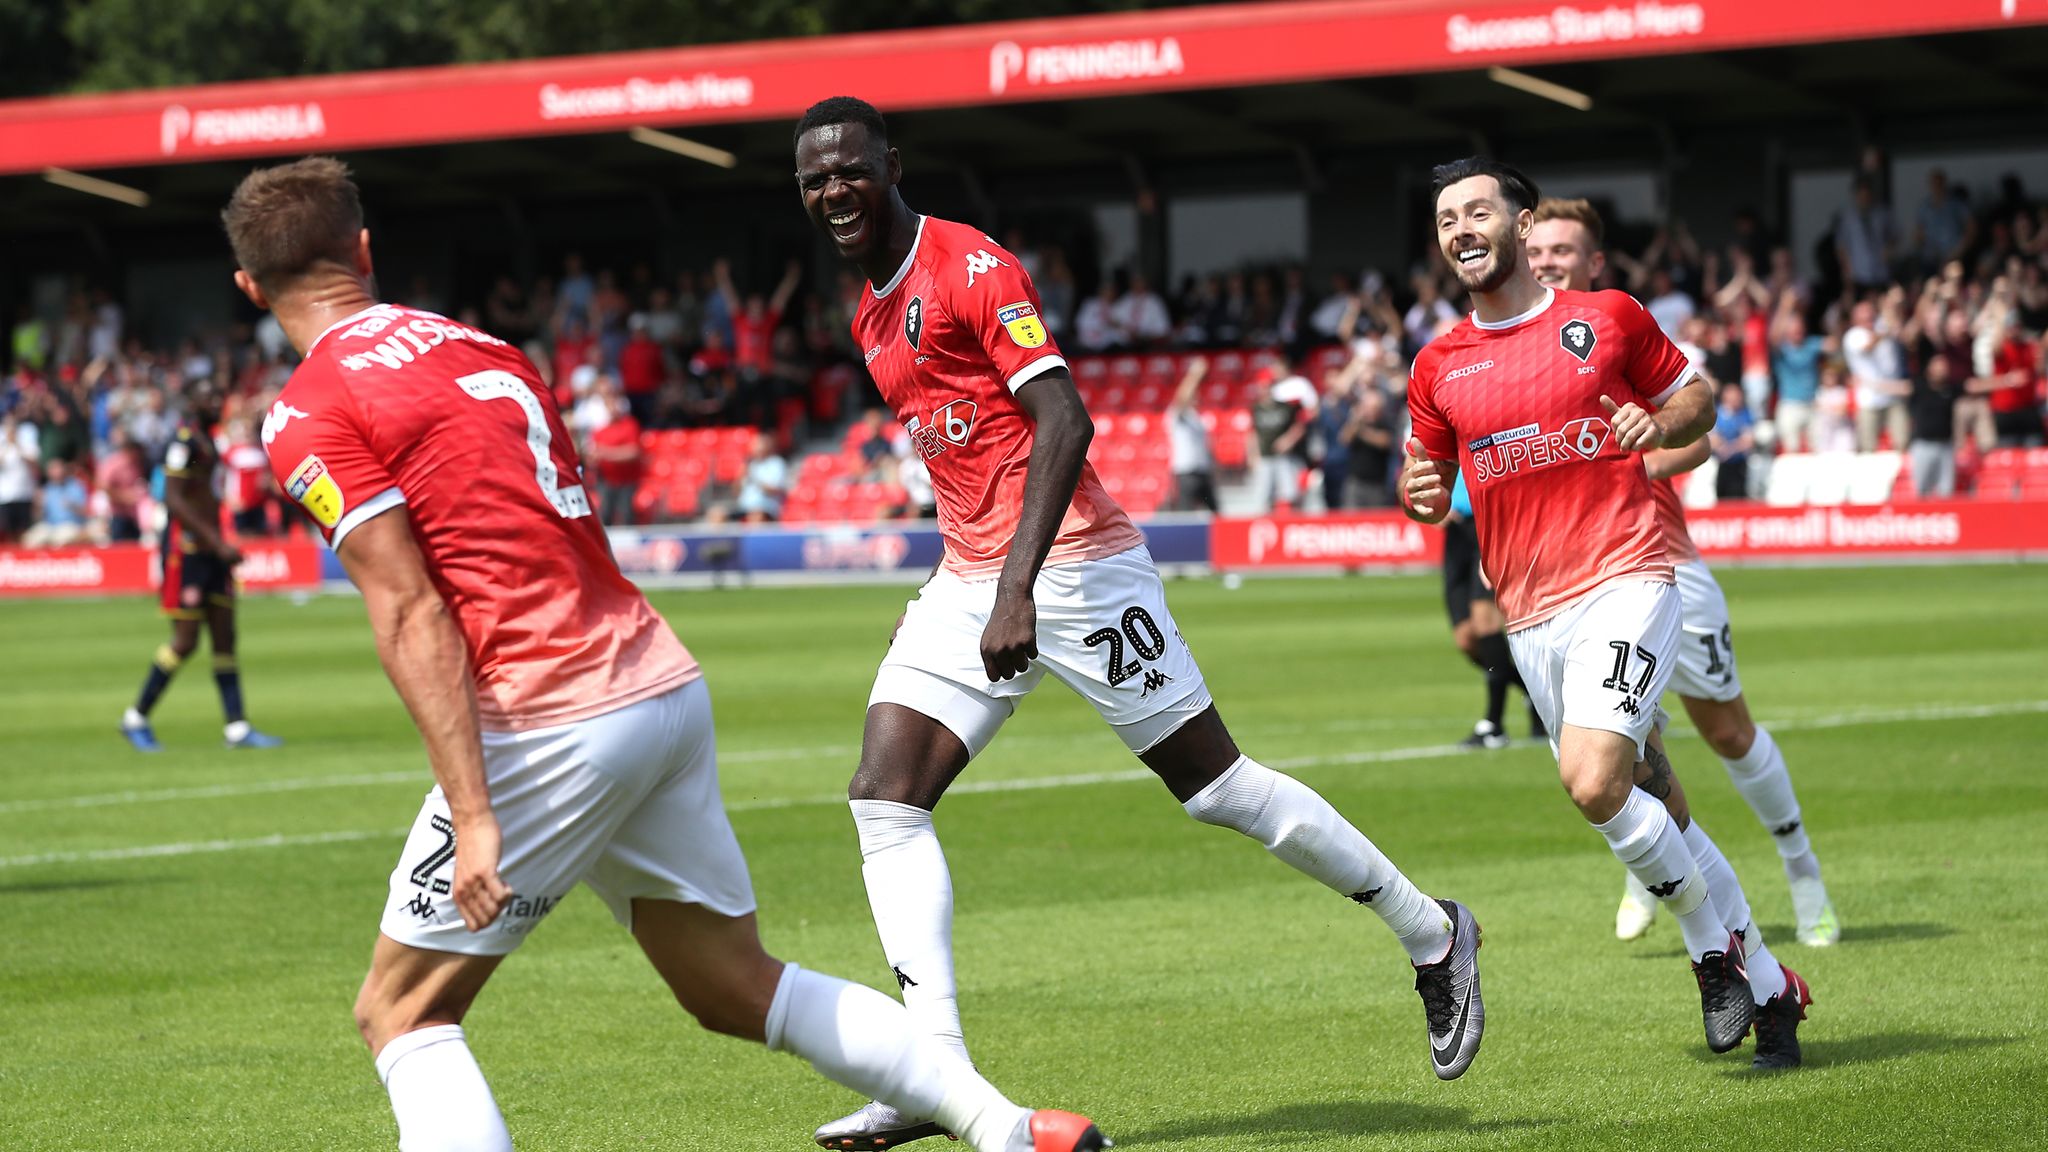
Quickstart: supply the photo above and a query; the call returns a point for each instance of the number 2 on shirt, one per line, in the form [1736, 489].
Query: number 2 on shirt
[570, 502]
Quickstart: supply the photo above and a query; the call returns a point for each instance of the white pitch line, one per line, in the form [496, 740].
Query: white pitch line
[214, 791]
[1025, 784]
[193, 848]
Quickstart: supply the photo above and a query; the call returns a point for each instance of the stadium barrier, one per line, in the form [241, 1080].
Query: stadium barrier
[128, 569]
[897, 551]
[1954, 529]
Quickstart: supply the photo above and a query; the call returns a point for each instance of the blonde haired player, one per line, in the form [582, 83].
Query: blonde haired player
[1565, 252]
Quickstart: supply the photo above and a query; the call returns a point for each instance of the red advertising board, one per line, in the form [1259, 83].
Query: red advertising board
[1350, 540]
[128, 569]
[1226, 45]
[1958, 528]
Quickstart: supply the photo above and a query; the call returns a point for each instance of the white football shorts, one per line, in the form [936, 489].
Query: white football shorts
[1603, 662]
[626, 802]
[1103, 629]
[1706, 653]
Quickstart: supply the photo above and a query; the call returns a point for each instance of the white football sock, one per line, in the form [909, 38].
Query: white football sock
[860, 1038]
[1647, 841]
[1303, 830]
[910, 892]
[439, 1095]
[1761, 778]
[1724, 891]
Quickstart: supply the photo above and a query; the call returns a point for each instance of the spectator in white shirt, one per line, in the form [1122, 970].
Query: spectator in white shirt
[1668, 306]
[1877, 372]
[1429, 310]
[1095, 326]
[1141, 314]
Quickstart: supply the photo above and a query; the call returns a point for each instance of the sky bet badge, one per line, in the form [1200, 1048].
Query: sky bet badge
[313, 488]
[1026, 331]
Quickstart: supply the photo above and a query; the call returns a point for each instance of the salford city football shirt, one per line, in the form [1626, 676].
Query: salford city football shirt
[949, 340]
[1560, 508]
[396, 406]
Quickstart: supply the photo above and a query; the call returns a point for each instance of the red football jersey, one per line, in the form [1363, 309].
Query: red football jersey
[949, 341]
[1560, 508]
[1671, 522]
[397, 406]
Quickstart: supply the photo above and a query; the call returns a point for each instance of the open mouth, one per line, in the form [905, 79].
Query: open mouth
[846, 225]
[1551, 277]
[1472, 257]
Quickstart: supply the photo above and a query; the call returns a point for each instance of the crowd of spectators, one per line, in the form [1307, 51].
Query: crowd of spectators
[1922, 333]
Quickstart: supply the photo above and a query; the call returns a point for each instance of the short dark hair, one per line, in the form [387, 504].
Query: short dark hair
[283, 221]
[1519, 190]
[844, 110]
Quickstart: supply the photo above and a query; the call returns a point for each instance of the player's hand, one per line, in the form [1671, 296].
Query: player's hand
[1010, 642]
[229, 554]
[1634, 429]
[480, 894]
[1424, 481]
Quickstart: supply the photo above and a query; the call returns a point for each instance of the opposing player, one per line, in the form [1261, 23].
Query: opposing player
[199, 576]
[1565, 253]
[1477, 627]
[1043, 573]
[569, 731]
[1541, 398]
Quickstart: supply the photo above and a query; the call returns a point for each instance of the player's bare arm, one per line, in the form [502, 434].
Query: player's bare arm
[1664, 463]
[423, 654]
[1426, 485]
[1059, 447]
[1684, 418]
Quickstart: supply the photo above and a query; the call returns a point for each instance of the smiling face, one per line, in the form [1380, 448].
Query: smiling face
[1480, 234]
[845, 180]
[1563, 255]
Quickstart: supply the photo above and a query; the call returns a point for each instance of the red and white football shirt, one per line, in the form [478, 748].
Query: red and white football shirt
[397, 406]
[1671, 522]
[1559, 507]
[949, 340]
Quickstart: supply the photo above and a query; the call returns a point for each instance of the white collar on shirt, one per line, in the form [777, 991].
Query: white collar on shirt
[1549, 295]
[909, 258]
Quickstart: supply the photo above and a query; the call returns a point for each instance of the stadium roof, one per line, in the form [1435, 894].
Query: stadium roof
[1224, 46]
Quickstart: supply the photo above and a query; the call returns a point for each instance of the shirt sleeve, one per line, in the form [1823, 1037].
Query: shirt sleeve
[178, 455]
[323, 461]
[1430, 427]
[1653, 366]
[1002, 313]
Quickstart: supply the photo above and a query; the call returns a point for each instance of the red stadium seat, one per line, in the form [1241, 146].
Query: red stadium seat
[1141, 425]
[1226, 368]
[1228, 442]
[1160, 372]
[1150, 398]
[1091, 371]
[1114, 399]
[1125, 370]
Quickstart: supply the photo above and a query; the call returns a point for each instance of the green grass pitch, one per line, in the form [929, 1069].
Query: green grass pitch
[181, 936]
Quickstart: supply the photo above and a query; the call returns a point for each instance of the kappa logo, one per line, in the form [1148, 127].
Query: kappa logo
[913, 320]
[1785, 829]
[1576, 337]
[1629, 707]
[1154, 680]
[421, 907]
[1660, 891]
[1467, 370]
[872, 353]
[280, 414]
[903, 981]
[1366, 897]
[980, 264]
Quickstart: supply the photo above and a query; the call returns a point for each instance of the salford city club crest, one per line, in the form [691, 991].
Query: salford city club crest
[1577, 338]
[913, 320]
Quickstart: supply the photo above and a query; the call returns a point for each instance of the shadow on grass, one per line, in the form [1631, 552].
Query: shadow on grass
[40, 887]
[1290, 1123]
[1875, 1048]
[1784, 940]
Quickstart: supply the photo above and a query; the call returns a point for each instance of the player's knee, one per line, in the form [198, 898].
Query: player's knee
[734, 1002]
[1728, 735]
[183, 646]
[1597, 793]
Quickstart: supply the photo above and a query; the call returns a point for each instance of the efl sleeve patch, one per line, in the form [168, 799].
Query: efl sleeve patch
[1022, 322]
[177, 458]
[314, 488]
